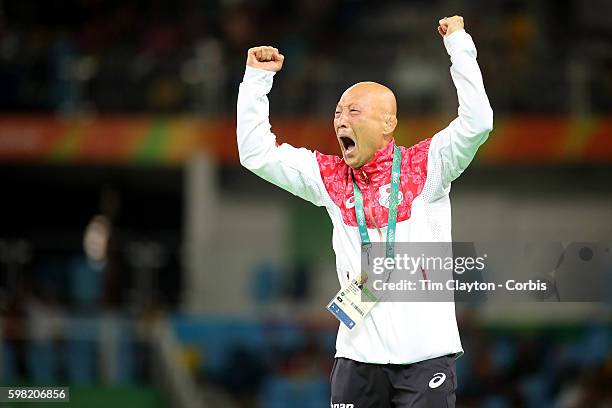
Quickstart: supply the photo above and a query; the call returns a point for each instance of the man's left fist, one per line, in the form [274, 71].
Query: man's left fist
[449, 25]
[265, 57]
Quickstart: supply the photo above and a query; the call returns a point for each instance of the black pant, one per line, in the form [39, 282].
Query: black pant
[426, 384]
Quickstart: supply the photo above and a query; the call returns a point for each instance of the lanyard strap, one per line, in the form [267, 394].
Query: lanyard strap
[393, 203]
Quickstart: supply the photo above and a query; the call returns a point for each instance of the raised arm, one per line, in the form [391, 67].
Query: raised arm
[454, 147]
[295, 170]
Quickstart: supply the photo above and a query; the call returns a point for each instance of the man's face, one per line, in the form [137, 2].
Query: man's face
[361, 121]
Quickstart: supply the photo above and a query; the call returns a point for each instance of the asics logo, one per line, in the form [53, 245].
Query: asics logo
[437, 380]
[350, 202]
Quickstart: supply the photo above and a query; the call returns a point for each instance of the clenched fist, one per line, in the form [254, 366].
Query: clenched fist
[449, 25]
[267, 58]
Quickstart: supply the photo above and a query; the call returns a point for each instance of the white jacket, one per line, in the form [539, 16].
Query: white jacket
[393, 332]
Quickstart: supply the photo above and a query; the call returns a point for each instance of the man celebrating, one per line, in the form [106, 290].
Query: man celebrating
[402, 354]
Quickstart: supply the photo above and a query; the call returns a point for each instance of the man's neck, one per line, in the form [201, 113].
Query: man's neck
[383, 146]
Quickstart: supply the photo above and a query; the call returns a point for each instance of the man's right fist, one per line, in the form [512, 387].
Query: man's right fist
[267, 58]
[449, 25]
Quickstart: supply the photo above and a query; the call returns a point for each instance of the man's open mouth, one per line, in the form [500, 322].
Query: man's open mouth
[348, 144]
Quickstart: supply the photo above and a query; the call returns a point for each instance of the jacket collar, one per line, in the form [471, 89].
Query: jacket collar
[378, 169]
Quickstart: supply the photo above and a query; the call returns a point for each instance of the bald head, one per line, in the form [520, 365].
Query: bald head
[365, 120]
[381, 97]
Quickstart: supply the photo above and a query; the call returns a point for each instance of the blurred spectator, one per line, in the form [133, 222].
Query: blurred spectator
[86, 271]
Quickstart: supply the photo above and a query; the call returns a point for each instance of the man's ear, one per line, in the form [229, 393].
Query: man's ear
[390, 124]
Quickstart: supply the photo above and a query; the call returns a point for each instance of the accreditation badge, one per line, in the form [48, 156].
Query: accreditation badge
[352, 303]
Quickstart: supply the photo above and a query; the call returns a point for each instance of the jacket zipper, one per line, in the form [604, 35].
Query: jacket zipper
[365, 176]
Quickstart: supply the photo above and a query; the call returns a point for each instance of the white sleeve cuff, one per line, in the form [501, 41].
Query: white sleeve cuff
[260, 77]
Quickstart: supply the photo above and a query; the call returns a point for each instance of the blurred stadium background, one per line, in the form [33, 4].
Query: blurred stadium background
[142, 266]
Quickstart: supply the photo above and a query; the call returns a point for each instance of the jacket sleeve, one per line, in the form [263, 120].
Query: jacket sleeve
[293, 169]
[453, 148]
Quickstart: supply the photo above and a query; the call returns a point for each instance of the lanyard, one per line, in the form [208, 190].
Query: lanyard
[393, 203]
